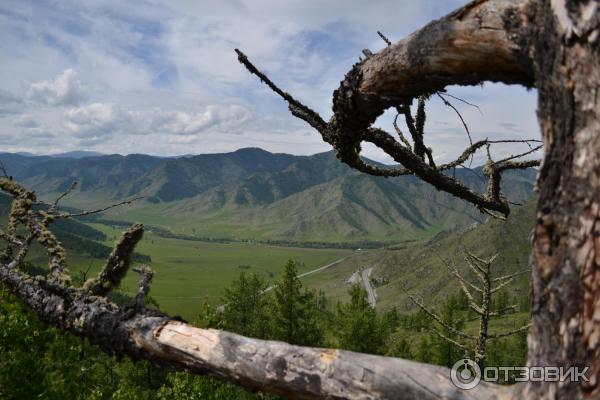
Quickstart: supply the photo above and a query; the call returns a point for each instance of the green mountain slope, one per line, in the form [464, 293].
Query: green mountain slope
[320, 199]
[254, 194]
[418, 267]
[114, 177]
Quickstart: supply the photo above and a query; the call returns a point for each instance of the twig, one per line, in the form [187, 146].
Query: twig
[461, 100]
[146, 275]
[385, 39]
[63, 195]
[86, 213]
[447, 103]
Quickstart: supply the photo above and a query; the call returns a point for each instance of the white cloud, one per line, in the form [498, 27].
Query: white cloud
[100, 120]
[65, 89]
[166, 69]
[223, 117]
[25, 121]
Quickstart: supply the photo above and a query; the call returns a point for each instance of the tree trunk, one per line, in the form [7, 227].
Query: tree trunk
[563, 45]
[553, 46]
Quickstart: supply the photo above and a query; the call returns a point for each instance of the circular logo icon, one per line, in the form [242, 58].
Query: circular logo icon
[465, 374]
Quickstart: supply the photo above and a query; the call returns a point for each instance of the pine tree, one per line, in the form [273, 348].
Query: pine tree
[295, 311]
[445, 352]
[359, 327]
[246, 307]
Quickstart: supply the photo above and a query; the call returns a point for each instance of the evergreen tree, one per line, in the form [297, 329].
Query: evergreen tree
[295, 311]
[359, 327]
[399, 347]
[424, 350]
[246, 306]
[446, 353]
[501, 302]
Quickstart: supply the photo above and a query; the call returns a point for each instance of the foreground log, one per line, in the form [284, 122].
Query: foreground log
[552, 45]
[278, 367]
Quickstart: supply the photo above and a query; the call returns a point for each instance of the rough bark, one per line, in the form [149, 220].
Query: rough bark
[293, 371]
[562, 38]
[467, 47]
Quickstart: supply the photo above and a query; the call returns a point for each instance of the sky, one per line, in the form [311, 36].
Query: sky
[162, 78]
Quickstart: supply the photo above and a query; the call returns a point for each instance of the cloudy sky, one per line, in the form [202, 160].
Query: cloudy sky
[161, 77]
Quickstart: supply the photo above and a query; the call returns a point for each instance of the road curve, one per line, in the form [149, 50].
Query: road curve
[372, 297]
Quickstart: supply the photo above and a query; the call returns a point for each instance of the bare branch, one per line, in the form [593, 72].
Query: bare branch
[399, 132]
[477, 270]
[296, 108]
[512, 157]
[10, 239]
[461, 100]
[504, 310]
[347, 145]
[97, 211]
[144, 287]
[117, 263]
[474, 47]
[454, 271]
[450, 340]
[439, 320]
[385, 39]
[509, 333]
[63, 195]
[509, 276]
[448, 104]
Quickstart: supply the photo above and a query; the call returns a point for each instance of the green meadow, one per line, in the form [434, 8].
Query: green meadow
[188, 273]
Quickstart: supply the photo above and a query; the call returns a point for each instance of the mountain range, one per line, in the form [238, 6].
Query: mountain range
[255, 194]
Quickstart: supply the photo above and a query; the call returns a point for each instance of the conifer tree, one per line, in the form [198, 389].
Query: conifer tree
[245, 311]
[359, 327]
[295, 310]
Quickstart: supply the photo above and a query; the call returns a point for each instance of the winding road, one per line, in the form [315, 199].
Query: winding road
[311, 272]
[221, 308]
[372, 297]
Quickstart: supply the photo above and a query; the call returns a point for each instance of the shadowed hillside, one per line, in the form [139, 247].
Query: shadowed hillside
[418, 267]
[257, 195]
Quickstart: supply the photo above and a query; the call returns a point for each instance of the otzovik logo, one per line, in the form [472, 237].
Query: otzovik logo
[465, 374]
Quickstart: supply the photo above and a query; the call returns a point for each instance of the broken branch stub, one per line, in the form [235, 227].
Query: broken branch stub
[466, 47]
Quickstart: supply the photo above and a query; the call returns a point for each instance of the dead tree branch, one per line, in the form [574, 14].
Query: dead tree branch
[482, 269]
[294, 371]
[456, 48]
[117, 264]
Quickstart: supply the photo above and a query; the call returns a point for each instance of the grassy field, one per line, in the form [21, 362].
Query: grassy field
[189, 272]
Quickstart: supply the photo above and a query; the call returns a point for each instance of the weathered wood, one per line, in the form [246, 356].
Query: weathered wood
[562, 38]
[292, 371]
[117, 263]
[467, 47]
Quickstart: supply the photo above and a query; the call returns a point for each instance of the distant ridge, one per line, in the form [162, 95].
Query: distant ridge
[77, 154]
[254, 194]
